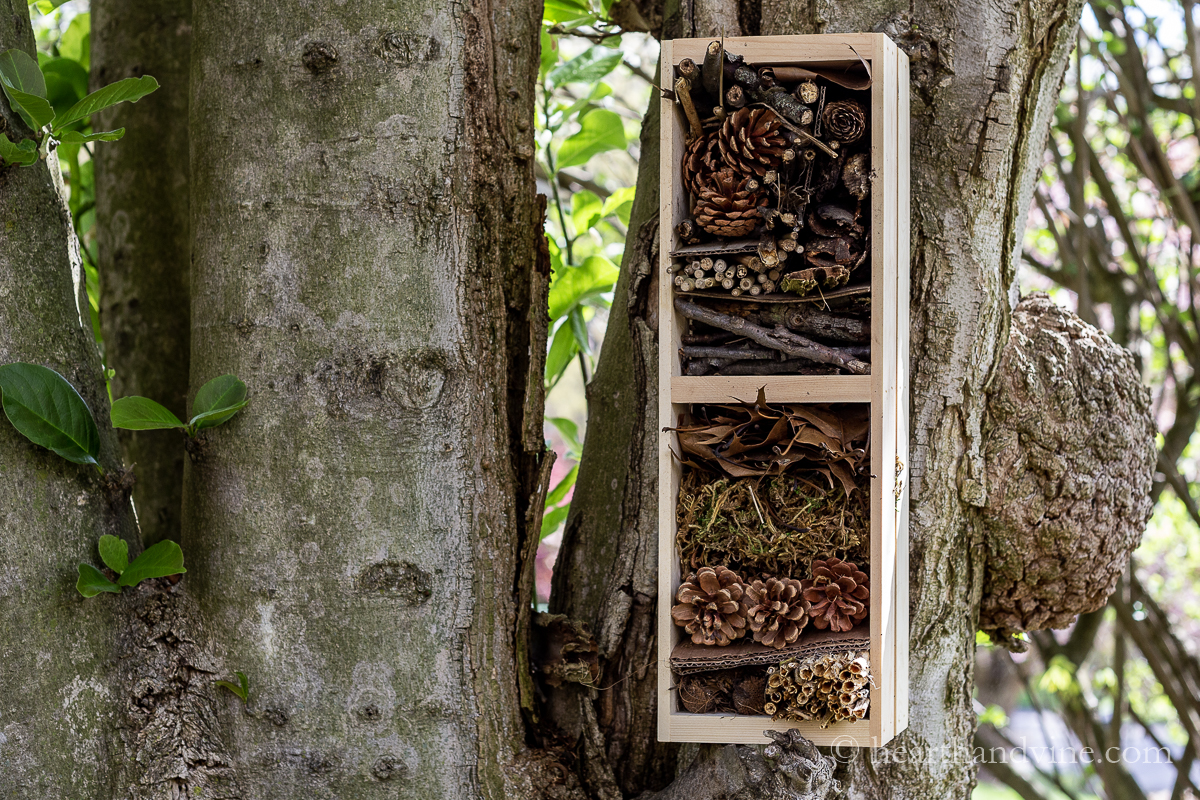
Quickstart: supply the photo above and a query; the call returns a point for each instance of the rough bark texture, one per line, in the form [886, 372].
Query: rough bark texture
[142, 236]
[365, 232]
[59, 698]
[985, 79]
[1070, 461]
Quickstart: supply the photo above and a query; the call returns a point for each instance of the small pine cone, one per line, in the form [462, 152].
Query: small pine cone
[725, 207]
[751, 141]
[845, 120]
[776, 611]
[701, 161]
[710, 607]
[838, 593]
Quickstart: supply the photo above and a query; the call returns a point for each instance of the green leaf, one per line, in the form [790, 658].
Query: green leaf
[92, 582]
[66, 82]
[620, 203]
[600, 131]
[47, 410]
[579, 329]
[158, 561]
[567, 13]
[559, 492]
[19, 70]
[217, 401]
[571, 285]
[570, 433]
[142, 414]
[242, 690]
[553, 518]
[562, 349]
[25, 152]
[585, 210]
[75, 43]
[128, 90]
[75, 137]
[114, 552]
[36, 111]
[588, 67]
[549, 54]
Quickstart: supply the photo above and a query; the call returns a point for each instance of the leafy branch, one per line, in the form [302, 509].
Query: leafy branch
[24, 84]
[158, 561]
[215, 403]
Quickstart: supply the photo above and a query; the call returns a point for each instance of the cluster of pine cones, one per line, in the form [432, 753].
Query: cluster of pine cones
[716, 607]
[776, 161]
[831, 687]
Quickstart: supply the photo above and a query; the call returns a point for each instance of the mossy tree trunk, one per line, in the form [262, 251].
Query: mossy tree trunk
[142, 226]
[59, 696]
[365, 234]
[985, 80]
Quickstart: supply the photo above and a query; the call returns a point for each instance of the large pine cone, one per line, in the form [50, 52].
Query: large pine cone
[839, 594]
[845, 120]
[725, 207]
[701, 161]
[751, 141]
[710, 607]
[776, 611]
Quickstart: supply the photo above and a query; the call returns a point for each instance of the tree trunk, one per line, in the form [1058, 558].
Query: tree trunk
[365, 231]
[142, 236]
[59, 698]
[984, 83]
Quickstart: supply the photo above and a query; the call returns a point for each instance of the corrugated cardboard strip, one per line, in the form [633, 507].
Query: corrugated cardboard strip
[688, 658]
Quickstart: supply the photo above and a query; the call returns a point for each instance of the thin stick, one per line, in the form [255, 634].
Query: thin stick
[683, 90]
[800, 131]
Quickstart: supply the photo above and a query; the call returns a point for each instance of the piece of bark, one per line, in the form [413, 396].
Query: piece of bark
[780, 338]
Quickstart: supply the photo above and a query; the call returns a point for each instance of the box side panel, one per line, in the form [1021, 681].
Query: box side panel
[666, 496]
[903, 211]
[883, 374]
[767, 50]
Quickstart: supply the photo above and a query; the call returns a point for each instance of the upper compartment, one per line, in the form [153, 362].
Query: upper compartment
[772, 235]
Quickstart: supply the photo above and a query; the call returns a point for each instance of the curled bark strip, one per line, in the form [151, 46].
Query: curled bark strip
[780, 339]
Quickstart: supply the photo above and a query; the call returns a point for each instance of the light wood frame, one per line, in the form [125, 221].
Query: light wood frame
[886, 389]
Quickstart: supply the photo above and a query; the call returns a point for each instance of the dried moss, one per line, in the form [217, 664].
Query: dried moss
[776, 525]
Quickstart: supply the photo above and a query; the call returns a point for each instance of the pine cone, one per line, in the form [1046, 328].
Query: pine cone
[701, 161]
[752, 141]
[838, 593]
[845, 120]
[776, 611]
[710, 607]
[725, 206]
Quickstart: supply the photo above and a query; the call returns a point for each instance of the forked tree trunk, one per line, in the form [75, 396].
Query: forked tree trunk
[985, 80]
[142, 236]
[59, 696]
[364, 233]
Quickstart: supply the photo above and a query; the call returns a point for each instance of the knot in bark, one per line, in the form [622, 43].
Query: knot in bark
[1069, 458]
[790, 769]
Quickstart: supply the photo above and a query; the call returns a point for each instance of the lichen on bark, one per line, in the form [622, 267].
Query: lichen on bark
[1069, 463]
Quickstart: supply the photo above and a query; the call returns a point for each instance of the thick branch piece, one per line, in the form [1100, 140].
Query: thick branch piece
[780, 338]
[789, 769]
[1069, 465]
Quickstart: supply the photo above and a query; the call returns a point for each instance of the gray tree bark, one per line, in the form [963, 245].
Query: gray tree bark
[365, 230]
[59, 696]
[142, 226]
[984, 83]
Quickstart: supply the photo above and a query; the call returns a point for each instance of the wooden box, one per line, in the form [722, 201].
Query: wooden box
[885, 389]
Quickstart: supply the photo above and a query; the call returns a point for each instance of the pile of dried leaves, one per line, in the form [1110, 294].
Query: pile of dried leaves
[771, 487]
